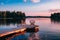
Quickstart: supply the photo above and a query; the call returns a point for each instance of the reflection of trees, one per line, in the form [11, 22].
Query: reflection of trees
[9, 21]
[55, 21]
[34, 36]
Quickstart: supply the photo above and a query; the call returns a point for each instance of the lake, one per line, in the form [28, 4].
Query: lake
[48, 29]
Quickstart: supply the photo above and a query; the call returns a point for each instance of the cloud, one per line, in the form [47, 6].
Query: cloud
[43, 7]
[35, 1]
[25, 0]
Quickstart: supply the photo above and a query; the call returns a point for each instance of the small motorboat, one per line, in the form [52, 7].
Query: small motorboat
[32, 29]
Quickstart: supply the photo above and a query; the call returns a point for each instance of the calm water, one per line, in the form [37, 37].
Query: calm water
[48, 30]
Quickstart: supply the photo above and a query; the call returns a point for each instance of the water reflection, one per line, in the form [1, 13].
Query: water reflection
[20, 37]
[34, 36]
[10, 21]
[55, 21]
[26, 36]
[49, 30]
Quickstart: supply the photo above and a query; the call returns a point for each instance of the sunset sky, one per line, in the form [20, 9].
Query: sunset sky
[30, 7]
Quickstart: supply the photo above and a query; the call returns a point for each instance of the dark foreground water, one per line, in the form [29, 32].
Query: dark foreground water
[48, 30]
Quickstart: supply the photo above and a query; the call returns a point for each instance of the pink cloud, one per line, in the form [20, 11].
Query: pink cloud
[35, 1]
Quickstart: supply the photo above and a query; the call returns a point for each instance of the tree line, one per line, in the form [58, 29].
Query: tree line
[55, 16]
[14, 15]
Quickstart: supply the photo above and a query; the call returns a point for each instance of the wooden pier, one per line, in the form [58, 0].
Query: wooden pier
[26, 28]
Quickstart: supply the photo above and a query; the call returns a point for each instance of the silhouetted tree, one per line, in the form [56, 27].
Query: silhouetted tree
[55, 16]
[15, 15]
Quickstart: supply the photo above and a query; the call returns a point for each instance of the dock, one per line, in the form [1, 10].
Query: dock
[13, 31]
[19, 29]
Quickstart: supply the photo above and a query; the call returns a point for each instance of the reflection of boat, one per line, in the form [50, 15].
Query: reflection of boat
[33, 36]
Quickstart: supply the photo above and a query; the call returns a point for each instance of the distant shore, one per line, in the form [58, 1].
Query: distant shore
[37, 16]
